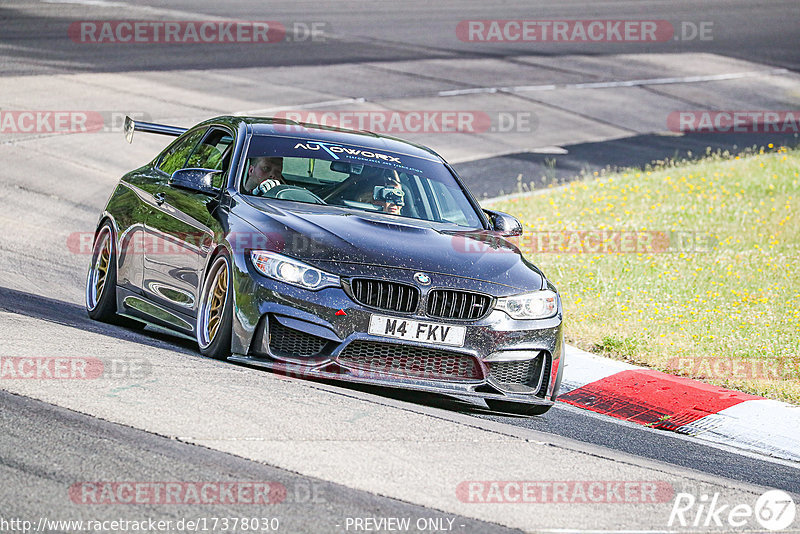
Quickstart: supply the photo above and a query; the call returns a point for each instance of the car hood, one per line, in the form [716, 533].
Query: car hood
[335, 239]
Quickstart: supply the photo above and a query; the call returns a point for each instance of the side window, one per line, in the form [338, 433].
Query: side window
[212, 151]
[174, 157]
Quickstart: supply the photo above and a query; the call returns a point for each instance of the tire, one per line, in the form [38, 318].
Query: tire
[215, 312]
[101, 280]
[516, 408]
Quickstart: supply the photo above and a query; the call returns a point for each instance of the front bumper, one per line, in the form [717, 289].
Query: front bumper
[263, 304]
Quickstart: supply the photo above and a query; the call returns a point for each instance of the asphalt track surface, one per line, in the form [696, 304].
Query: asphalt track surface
[98, 450]
[47, 446]
[764, 32]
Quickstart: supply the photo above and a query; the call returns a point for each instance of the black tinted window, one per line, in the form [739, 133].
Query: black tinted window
[212, 151]
[175, 156]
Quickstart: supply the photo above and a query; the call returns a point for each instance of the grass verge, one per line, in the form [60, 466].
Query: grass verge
[690, 268]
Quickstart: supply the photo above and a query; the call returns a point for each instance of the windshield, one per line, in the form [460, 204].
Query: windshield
[357, 178]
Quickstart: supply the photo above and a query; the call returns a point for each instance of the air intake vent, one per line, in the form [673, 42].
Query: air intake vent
[385, 295]
[285, 341]
[453, 304]
[534, 373]
[526, 372]
[409, 361]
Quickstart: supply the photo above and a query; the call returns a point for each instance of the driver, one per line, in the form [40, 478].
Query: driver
[263, 174]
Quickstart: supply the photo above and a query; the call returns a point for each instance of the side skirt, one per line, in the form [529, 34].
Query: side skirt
[135, 306]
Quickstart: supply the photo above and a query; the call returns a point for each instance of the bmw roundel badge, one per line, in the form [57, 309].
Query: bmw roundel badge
[422, 279]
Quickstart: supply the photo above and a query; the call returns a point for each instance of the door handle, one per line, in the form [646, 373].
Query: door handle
[160, 198]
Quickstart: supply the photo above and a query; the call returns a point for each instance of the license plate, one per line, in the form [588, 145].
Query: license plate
[439, 334]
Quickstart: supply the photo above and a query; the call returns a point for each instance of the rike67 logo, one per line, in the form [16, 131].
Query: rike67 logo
[774, 510]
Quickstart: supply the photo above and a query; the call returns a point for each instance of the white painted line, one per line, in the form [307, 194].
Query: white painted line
[524, 88]
[552, 149]
[621, 83]
[765, 426]
[685, 79]
[477, 90]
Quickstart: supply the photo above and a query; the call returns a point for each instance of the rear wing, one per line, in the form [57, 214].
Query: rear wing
[150, 127]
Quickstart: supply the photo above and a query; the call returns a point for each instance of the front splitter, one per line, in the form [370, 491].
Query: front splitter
[334, 371]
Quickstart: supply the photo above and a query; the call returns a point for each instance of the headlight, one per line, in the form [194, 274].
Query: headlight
[291, 271]
[536, 305]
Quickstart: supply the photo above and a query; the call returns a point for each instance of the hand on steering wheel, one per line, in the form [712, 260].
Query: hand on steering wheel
[265, 186]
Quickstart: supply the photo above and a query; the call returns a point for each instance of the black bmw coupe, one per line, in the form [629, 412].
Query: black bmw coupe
[328, 253]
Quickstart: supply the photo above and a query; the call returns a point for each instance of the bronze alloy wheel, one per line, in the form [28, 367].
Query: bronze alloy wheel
[100, 268]
[212, 305]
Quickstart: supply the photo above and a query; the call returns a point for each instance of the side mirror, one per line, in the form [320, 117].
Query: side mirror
[204, 181]
[504, 224]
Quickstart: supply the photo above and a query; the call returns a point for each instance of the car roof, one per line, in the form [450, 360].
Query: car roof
[314, 132]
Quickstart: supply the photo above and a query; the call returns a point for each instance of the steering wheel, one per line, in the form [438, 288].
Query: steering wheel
[293, 192]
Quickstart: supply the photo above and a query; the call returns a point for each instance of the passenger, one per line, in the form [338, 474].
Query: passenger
[384, 189]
